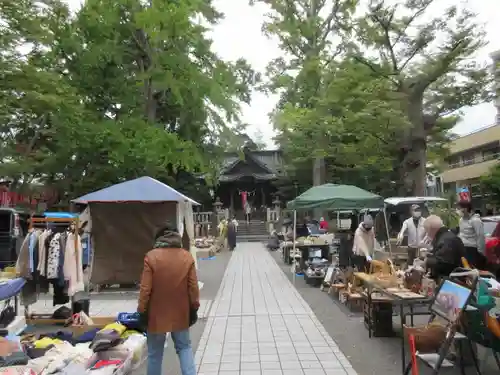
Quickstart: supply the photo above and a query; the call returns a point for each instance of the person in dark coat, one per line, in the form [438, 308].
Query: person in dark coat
[447, 248]
[231, 234]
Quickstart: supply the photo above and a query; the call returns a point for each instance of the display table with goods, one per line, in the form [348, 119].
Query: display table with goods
[315, 267]
[10, 287]
[382, 292]
[103, 346]
[303, 245]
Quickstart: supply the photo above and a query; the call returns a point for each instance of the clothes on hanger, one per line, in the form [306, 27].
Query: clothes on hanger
[51, 256]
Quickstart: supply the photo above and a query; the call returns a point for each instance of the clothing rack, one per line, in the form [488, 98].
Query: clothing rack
[68, 221]
[62, 220]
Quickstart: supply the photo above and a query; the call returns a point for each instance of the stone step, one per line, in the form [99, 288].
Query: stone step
[254, 231]
[252, 228]
[252, 238]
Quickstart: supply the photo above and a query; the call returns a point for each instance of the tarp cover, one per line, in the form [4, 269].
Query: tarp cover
[142, 189]
[335, 197]
[122, 234]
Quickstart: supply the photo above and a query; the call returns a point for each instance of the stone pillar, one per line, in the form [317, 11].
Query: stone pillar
[215, 216]
[277, 208]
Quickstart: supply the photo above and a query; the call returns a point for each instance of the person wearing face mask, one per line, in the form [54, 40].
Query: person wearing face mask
[363, 244]
[471, 232]
[414, 227]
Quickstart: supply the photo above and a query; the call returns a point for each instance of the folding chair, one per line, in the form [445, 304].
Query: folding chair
[449, 302]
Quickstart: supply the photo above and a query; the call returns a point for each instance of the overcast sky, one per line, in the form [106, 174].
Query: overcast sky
[239, 35]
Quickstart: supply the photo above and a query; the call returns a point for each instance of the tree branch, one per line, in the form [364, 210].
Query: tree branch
[385, 25]
[327, 23]
[409, 22]
[439, 68]
[365, 62]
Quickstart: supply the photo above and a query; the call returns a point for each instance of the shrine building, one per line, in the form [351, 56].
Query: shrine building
[248, 176]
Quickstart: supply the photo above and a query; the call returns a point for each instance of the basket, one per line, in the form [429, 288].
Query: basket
[428, 339]
[413, 280]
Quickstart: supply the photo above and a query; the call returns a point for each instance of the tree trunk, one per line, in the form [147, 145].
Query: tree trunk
[318, 171]
[414, 169]
[318, 179]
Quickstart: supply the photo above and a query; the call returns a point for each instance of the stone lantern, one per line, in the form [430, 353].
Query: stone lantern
[276, 203]
[276, 209]
[217, 204]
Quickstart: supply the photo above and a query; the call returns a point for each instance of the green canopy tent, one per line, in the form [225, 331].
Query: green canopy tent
[333, 197]
[336, 197]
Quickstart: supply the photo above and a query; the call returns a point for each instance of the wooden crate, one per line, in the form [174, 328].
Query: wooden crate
[355, 301]
[335, 289]
[52, 324]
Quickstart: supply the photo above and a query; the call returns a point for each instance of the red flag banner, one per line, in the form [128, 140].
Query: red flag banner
[244, 198]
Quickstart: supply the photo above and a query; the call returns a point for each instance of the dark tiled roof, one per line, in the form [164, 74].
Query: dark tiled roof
[269, 159]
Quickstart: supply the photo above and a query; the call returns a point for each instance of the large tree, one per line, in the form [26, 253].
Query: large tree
[118, 90]
[333, 110]
[352, 125]
[425, 54]
[305, 30]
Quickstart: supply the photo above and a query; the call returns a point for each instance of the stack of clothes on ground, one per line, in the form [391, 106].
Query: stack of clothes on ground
[113, 350]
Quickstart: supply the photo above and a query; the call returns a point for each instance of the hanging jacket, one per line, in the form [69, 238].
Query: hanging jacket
[416, 233]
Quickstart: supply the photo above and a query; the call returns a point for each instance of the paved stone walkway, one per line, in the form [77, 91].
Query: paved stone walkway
[260, 325]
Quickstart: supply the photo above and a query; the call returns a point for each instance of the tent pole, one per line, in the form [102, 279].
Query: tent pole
[294, 240]
[387, 230]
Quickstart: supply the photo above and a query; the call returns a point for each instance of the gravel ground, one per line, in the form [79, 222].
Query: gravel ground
[375, 356]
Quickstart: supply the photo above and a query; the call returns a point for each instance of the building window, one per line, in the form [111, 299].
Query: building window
[468, 159]
[453, 162]
[490, 154]
[449, 187]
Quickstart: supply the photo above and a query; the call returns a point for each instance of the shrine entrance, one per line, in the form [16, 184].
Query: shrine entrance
[258, 195]
[247, 181]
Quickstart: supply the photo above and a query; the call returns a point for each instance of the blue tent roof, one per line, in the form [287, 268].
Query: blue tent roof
[59, 215]
[142, 189]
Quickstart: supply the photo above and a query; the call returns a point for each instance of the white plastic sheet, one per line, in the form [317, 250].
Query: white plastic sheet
[187, 208]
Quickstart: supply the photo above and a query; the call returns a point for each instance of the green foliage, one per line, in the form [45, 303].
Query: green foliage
[374, 92]
[426, 57]
[116, 91]
[332, 107]
[490, 185]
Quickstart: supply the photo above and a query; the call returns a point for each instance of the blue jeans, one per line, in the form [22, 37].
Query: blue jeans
[182, 344]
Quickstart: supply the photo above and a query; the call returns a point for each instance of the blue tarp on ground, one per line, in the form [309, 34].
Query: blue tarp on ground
[142, 189]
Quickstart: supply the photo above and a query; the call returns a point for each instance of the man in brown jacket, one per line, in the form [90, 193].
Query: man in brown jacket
[169, 295]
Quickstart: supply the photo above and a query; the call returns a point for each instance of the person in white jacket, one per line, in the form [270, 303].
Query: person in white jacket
[363, 244]
[414, 227]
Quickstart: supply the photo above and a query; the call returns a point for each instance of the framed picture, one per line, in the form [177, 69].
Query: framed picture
[451, 298]
[329, 274]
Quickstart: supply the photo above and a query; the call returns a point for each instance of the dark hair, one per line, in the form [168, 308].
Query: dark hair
[166, 228]
[465, 204]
